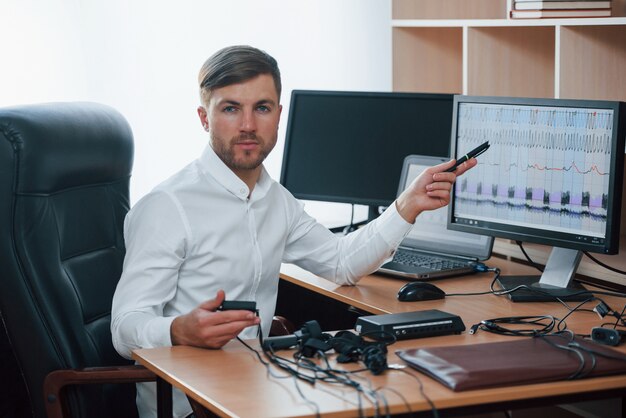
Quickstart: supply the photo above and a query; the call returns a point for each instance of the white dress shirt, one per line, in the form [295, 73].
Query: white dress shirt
[199, 232]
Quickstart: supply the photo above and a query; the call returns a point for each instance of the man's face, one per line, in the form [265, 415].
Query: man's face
[243, 122]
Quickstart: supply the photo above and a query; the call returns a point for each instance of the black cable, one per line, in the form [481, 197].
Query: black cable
[493, 325]
[579, 373]
[327, 375]
[352, 215]
[269, 371]
[307, 400]
[282, 363]
[433, 408]
[346, 380]
[342, 377]
[380, 398]
[575, 347]
[492, 291]
[537, 290]
[295, 374]
[592, 258]
[620, 318]
[265, 363]
[404, 400]
[532, 263]
[560, 325]
[577, 307]
[598, 353]
[554, 324]
[351, 226]
[377, 399]
[606, 266]
[254, 351]
[571, 311]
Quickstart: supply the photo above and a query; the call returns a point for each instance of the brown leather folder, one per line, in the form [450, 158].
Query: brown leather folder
[516, 362]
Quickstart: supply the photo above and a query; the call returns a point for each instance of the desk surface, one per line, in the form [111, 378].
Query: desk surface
[232, 382]
[377, 294]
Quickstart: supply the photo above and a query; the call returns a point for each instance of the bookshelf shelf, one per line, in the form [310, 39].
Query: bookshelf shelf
[461, 23]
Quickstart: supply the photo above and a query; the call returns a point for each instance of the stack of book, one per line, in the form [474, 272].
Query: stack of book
[534, 9]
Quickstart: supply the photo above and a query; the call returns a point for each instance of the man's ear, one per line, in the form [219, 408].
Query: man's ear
[204, 120]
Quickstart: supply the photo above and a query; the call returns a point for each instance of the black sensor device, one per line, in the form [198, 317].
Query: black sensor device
[409, 325]
[607, 336]
[238, 305]
[310, 331]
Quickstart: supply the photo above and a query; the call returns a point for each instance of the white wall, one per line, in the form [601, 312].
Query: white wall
[142, 57]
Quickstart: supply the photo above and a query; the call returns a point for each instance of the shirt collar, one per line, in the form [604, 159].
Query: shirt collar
[212, 165]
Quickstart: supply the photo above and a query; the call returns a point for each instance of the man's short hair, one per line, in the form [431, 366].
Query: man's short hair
[233, 65]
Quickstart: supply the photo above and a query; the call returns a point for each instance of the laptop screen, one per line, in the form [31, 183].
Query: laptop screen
[430, 229]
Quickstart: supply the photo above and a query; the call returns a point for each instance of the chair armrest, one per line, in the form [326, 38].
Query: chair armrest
[56, 380]
[281, 326]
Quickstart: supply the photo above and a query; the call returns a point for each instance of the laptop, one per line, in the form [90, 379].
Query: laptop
[430, 250]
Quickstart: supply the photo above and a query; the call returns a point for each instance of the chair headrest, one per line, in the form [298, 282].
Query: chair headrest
[56, 141]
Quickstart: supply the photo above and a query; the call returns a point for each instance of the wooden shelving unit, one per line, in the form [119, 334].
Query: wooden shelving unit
[473, 47]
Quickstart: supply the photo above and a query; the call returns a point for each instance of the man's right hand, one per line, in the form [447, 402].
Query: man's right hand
[207, 327]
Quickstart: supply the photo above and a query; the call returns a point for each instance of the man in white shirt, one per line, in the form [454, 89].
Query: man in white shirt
[222, 227]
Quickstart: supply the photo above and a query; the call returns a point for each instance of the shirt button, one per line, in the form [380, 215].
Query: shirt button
[242, 191]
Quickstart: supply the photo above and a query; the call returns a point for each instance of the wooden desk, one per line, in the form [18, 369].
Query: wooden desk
[376, 294]
[232, 382]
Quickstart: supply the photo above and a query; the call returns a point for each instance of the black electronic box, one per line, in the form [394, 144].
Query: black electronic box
[408, 325]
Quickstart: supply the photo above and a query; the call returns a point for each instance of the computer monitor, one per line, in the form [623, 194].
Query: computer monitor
[349, 147]
[552, 175]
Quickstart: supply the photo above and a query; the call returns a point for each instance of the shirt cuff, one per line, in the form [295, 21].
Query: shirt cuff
[392, 227]
[157, 332]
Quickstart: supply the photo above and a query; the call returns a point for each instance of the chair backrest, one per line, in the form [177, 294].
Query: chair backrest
[64, 176]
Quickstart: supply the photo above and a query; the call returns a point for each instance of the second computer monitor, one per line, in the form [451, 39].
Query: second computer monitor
[349, 147]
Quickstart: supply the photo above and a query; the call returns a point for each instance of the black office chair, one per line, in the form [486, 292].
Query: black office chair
[64, 175]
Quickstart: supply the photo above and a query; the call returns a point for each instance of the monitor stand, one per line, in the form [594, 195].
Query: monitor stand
[556, 282]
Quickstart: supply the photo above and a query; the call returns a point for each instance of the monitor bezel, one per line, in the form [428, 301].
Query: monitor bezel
[370, 201]
[535, 235]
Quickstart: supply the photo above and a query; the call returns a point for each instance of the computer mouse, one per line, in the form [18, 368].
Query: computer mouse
[417, 291]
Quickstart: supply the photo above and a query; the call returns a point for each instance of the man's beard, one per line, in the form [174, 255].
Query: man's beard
[226, 152]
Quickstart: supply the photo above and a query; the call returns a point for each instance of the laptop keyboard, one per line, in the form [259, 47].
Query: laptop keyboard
[422, 260]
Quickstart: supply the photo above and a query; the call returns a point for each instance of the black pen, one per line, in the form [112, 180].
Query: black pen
[472, 154]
